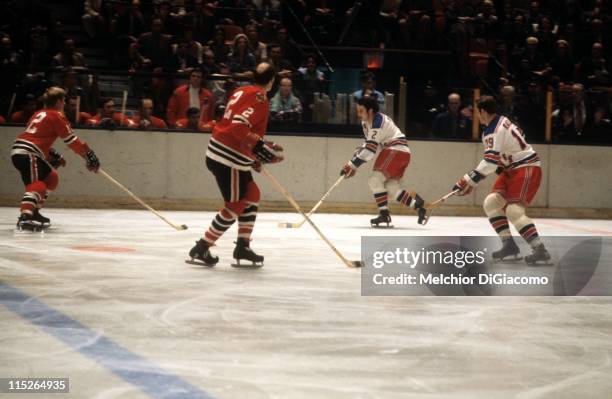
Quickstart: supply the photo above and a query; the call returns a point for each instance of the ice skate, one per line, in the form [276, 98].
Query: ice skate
[243, 251]
[26, 223]
[419, 205]
[539, 254]
[44, 221]
[200, 255]
[509, 252]
[383, 218]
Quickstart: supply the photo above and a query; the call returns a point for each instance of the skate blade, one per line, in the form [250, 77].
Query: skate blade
[36, 230]
[252, 265]
[508, 259]
[199, 263]
[540, 263]
[376, 226]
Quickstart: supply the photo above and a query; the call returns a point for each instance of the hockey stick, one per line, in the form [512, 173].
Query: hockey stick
[430, 207]
[283, 191]
[123, 106]
[298, 225]
[141, 202]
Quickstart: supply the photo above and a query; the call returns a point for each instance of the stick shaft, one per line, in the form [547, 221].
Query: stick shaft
[314, 208]
[284, 192]
[141, 202]
[441, 200]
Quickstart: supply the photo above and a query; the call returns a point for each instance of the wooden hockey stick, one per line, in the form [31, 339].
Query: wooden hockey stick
[141, 202]
[279, 187]
[314, 208]
[441, 200]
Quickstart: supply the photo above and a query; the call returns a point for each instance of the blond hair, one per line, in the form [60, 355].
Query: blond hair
[53, 95]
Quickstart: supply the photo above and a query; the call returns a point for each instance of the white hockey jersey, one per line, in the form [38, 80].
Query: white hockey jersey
[381, 134]
[505, 146]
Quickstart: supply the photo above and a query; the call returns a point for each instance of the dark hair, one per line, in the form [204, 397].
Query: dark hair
[264, 73]
[369, 103]
[367, 75]
[104, 100]
[488, 104]
[192, 111]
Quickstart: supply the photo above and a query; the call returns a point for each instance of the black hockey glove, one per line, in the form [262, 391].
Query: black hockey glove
[92, 161]
[56, 159]
[265, 152]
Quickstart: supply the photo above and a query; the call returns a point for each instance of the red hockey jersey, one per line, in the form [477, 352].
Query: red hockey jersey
[43, 128]
[246, 112]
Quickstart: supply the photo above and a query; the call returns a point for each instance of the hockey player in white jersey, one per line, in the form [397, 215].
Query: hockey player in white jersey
[508, 154]
[381, 134]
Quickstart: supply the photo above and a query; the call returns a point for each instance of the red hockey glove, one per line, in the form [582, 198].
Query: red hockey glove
[348, 170]
[463, 187]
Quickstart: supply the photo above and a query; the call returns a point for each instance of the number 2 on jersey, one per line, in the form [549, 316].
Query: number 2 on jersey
[228, 109]
[31, 128]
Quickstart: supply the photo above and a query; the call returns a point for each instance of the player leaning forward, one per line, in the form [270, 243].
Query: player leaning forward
[236, 147]
[381, 133]
[34, 158]
[518, 165]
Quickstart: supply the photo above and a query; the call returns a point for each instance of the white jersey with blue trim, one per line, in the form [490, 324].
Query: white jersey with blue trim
[505, 146]
[381, 133]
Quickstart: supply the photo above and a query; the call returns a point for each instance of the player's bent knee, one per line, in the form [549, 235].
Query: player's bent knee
[38, 186]
[236, 207]
[52, 180]
[493, 203]
[392, 187]
[377, 182]
[515, 212]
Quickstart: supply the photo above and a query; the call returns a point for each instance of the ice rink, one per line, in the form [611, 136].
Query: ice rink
[105, 299]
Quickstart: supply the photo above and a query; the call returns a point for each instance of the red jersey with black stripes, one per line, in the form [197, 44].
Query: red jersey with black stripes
[246, 112]
[505, 146]
[43, 128]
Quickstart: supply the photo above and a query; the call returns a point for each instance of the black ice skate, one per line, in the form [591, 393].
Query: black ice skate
[200, 255]
[383, 217]
[539, 254]
[44, 221]
[509, 251]
[243, 251]
[26, 222]
[419, 205]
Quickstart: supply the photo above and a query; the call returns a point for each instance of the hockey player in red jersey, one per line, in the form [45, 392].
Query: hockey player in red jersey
[236, 147]
[381, 133]
[518, 165]
[36, 161]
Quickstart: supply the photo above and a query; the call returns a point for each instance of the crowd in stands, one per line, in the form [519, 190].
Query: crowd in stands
[175, 51]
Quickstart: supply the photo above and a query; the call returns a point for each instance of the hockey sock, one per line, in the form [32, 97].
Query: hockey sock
[524, 224]
[382, 200]
[51, 183]
[501, 226]
[494, 208]
[246, 221]
[222, 221]
[35, 192]
[405, 198]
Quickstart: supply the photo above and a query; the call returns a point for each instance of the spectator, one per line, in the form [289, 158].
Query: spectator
[368, 88]
[285, 106]
[93, 20]
[68, 57]
[530, 112]
[182, 61]
[599, 128]
[107, 117]
[530, 61]
[209, 62]
[283, 66]
[8, 57]
[507, 108]
[562, 64]
[195, 47]
[128, 22]
[192, 121]
[290, 49]
[257, 48]
[578, 107]
[595, 69]
[155, 45]
[313, 82]
[563, 125]
[145, 119]
[30, 106]
[547, 37]
[70, 111]
[191, 95]
[169, 20]
[218, 46]
[37, 56]
[241, 61]
[203, 21]
[452, 123]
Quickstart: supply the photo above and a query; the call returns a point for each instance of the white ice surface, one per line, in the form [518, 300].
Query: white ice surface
[298, 327]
